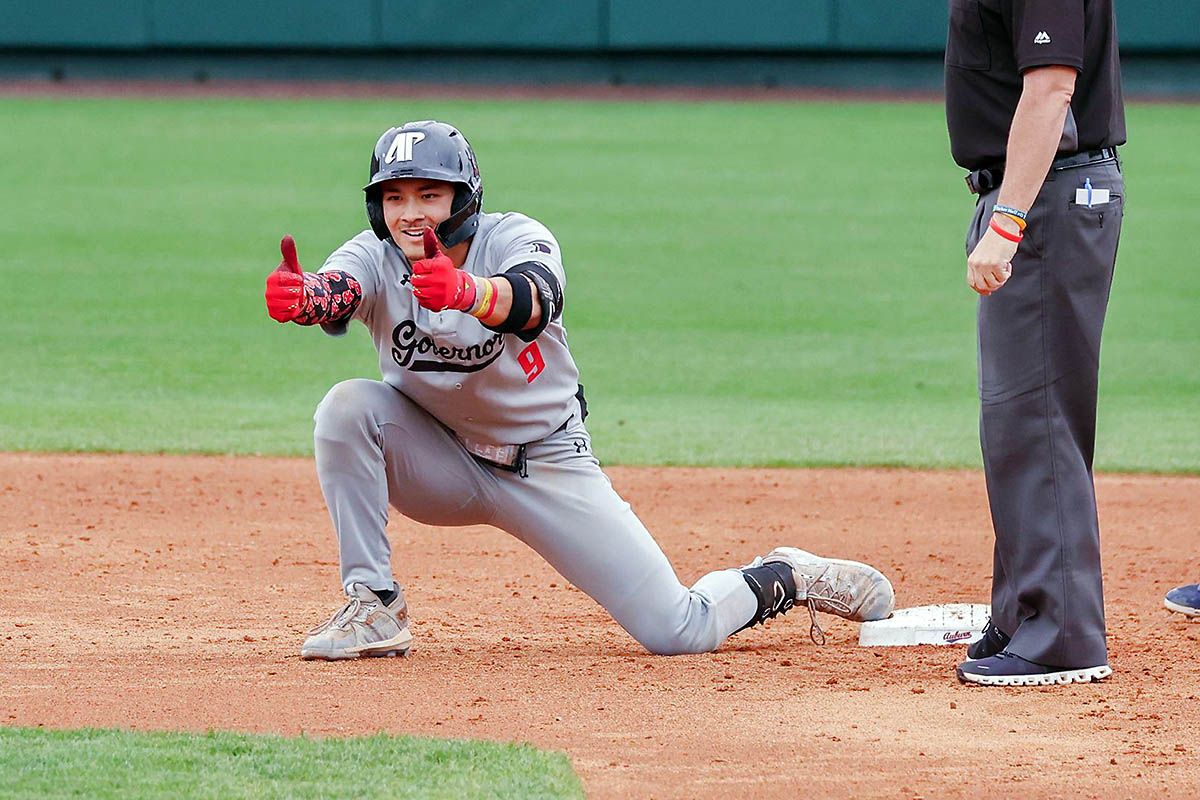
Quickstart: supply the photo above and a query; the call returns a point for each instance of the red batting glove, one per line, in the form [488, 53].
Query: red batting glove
[439, 285]
[285, 286]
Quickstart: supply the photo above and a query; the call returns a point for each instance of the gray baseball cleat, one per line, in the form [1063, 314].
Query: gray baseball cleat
[847, 589]
[363, 627]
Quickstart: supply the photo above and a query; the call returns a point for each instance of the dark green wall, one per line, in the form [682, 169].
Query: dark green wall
[598, 26]
[536, 24]
[75, 23]
[262, 23]
[718, 24]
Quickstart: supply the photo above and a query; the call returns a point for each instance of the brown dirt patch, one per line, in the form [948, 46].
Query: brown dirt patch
[173, 593]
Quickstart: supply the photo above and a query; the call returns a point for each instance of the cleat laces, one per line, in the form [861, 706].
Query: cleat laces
[825, 592]
[345, 615]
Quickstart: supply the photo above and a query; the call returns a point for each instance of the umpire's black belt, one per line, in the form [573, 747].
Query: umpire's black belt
[982, 181]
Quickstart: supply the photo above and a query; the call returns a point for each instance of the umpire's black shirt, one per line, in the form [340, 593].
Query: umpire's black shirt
[992, 42]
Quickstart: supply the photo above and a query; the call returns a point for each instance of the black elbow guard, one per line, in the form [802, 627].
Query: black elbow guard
[524, 278]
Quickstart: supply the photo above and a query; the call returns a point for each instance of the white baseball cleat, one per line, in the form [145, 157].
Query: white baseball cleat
[847, 589]
[362, 628]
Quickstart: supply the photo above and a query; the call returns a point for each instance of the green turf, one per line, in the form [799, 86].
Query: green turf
[748, 284]
[127, 765]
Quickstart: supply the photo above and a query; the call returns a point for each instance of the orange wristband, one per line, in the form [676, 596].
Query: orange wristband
[1022, 224]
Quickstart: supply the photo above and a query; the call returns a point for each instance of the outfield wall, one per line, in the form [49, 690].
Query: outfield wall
[596, 26]
[887, 45]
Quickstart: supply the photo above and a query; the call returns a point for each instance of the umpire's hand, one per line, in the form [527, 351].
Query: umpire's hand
[990, 263]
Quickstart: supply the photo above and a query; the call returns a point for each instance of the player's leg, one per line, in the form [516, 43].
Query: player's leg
[375, 447]
[567, 510]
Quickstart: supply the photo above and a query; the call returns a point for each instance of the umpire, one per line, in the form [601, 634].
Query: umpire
[1034, 110]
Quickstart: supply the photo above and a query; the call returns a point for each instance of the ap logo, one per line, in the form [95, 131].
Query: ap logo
[402, 147]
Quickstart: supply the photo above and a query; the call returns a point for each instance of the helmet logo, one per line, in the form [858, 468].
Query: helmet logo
[402, 147]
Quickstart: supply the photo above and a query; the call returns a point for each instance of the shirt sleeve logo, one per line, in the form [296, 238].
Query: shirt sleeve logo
[1042, 38]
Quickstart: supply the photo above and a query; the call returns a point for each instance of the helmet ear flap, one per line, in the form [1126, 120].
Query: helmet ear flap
[462, 224]
[375, 215]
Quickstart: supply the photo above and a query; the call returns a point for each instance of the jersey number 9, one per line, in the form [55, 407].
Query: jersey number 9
[531, 361]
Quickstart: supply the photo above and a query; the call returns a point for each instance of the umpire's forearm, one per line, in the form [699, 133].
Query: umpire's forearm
[1036, 131]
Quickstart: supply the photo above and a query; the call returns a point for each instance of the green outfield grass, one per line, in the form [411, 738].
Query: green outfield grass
[126, 765]
[748, 283]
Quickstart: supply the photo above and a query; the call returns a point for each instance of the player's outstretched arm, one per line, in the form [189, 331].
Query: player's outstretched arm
[309, 298]
[439, 286]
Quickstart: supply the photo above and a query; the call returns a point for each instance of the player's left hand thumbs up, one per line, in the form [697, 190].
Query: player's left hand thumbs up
[429, 239]
[437, 284]
[434, 259]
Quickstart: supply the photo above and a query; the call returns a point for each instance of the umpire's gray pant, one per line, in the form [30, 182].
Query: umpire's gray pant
[1039, 361]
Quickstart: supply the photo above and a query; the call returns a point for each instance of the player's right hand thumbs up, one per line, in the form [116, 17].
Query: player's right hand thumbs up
[285, 286]
[287, 246]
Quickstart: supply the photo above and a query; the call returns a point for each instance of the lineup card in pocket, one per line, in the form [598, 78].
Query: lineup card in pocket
[1088, 195]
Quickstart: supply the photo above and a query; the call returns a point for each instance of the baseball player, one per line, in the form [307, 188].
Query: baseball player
[479, 419]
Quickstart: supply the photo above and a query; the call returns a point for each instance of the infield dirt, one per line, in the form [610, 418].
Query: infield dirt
[173, 593]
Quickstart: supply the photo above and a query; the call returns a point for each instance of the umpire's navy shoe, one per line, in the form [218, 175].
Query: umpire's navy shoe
[1009, 669]
[1184, 599]
[994, 640]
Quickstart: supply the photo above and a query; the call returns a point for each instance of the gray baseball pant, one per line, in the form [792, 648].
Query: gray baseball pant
[1039, 362]
[375, 446]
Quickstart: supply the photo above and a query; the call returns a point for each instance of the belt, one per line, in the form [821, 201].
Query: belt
[509, 457]
[982, 181]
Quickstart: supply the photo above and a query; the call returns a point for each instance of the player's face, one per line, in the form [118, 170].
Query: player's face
[410, 205]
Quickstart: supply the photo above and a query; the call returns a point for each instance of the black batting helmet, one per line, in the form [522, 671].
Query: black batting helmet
[428, 149]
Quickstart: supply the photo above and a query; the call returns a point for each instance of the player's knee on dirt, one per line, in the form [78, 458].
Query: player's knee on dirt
[676, 643]
[668, 627]
[677, 620]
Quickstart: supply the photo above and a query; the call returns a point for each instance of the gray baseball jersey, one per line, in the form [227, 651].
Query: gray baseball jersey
[483, 385]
